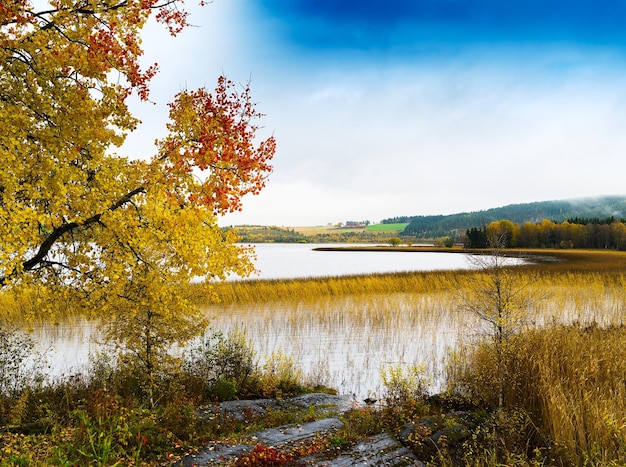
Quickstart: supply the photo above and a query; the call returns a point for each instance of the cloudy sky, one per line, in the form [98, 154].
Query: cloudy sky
[385, 108]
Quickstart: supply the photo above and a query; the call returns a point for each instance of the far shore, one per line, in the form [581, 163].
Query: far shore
[413, 248]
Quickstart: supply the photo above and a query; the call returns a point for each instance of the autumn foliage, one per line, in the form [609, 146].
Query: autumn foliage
[72, 209]
[93, 226]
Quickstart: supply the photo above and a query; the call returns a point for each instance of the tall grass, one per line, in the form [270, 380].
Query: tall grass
[572, 381]
[343, 341]
[547, 267]
[341, 330]
[301, 290]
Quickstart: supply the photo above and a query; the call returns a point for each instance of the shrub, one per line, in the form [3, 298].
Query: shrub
[280, 376]
[404, 384]
[221, 367]
[509, 438]
[405, 394]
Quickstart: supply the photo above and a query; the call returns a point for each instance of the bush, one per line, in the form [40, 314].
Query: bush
[404, 384]
[280, 376]
[20, 365]
[509, 438]
[405, 394]
[221, 368]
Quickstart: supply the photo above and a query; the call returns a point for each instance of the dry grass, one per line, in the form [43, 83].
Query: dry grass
[263, 291]
[572, 379]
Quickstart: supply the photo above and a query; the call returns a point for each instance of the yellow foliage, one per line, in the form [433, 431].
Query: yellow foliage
[82, 226]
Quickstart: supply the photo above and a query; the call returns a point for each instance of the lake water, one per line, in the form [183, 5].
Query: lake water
[281, 261]
[341, 342]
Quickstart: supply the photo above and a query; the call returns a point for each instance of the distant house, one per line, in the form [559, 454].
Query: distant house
[356, 224]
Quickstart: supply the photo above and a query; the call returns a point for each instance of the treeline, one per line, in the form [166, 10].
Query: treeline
[273, 234]
[397, 220]
[269, 234]
[455, 224]
[608, 233]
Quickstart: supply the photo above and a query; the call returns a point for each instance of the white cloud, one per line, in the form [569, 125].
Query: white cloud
[360, 140]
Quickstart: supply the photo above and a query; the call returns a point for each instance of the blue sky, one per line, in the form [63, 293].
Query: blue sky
[387, 108]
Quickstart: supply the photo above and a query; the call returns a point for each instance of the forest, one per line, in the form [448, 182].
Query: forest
[558, 211]
[609, 233]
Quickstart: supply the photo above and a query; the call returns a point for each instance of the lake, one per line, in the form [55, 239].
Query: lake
[341, 342]
[297, 260]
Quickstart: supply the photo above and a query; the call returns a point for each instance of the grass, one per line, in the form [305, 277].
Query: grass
[570, 382]
[562, 267]
[399, 227]
[567, 387]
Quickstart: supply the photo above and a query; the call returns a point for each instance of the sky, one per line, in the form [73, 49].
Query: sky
[410, 107]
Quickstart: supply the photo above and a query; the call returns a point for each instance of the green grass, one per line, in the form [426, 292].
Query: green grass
[387, 227]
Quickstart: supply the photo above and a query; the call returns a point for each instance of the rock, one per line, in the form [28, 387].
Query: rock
[428, 436]
[294, 433]
[219, 453]
[214, 454]
[419, 441]
[330, 402]
[324, 403]
[380, 450]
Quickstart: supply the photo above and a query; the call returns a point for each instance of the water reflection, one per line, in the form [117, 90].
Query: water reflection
[344, 342]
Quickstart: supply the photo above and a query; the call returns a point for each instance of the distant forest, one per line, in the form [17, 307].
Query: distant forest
[609, 233]
[456, 225]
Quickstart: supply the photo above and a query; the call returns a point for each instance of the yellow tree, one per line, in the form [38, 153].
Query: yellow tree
[497, 296]
[80, 219]
[505, 230]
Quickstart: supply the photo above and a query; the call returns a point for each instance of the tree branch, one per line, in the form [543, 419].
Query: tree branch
[58, 232]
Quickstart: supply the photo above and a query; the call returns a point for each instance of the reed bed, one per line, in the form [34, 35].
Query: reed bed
[546, 268]
[261, 291]
[572, 380]
[344, 341]
[344, 329]
[406, 317]
[568, 370]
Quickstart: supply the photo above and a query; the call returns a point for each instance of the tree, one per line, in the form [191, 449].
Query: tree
[120, 235]
[498, 298]
[475, 238]
[394, 241]
[504, 229]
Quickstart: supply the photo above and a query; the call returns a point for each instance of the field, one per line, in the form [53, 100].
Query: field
[325, 229]
[387, 227]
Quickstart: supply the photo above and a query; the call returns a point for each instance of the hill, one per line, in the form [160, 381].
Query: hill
[318, 234]
[557, 211]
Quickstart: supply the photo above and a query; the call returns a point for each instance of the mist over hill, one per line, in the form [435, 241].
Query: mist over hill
[557, 211]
